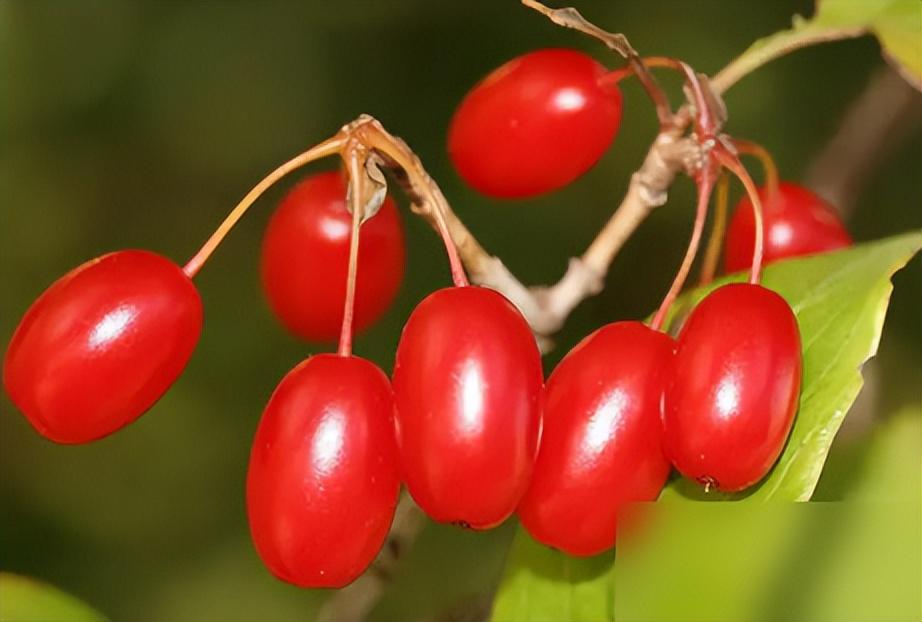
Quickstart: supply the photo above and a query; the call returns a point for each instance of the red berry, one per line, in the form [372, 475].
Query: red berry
[305, 259]
[535, 124]
[797, 223]
[601, 444]
[735, 388]
[323, 481]
[102, 344]
[468, 392]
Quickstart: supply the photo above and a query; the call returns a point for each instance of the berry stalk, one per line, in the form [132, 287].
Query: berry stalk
[705, 182]
[326, 148]
[729, 161]
[357, 207]
[712, 252]
[768, 165]
[422, 188]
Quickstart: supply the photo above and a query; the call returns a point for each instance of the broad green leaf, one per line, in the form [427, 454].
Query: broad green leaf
[545, 585]
[896, 23]
[899, 28]
[840, 300]
[26, 600]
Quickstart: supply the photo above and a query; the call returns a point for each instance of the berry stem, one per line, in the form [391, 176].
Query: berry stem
[705, 123]
[357, 202]
[705, 182]
[712, 253]
[733, 164]
[615, 76]
[423, 190]
[768, 166]
[326, 148]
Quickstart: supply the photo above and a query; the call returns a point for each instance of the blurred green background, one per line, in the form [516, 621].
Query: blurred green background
[139, 124]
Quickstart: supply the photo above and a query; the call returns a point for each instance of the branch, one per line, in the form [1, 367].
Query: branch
[569, 17]
[545, 308]
[873, 126]
[668, 155]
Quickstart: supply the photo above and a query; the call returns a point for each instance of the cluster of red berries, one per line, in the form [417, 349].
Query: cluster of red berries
[466, 421]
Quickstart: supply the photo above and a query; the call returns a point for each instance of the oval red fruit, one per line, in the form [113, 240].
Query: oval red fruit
[102, 344]
[602, 440]
[796, 223]
[305, 259]
[468, 392]
[323, 476]
[735, 387]
[534, 124]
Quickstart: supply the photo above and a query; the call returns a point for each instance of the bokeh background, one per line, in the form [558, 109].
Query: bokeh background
[139, 124]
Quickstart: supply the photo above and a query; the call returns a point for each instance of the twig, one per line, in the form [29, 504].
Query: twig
[668, 155]
[873, 126]
[545, 308]
[569, 17]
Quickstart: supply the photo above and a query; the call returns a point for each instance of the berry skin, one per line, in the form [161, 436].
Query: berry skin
[797, 223]
[468, 392]
[534, 124]
[601, 444]
[735, 387]
[323, 477]
[102, 344]
[305, 259]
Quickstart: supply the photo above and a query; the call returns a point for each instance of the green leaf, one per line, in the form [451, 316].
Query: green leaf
[840, 300]
[26, 600]
[896, 23]
[899, 28]
[544, 585]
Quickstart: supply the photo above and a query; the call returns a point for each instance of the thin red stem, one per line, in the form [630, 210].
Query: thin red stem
[768, 166]
[377, 138]
[712, 251]
[357, 205]
[327, 147]
[458, 275]
[733, 164]
[704, 122]
[615, 76]
[705, 186]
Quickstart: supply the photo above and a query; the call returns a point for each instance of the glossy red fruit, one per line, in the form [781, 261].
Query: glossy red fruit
[323, 477]
[102, 344]
[796, 223]
[535, 124]
[601, 444]
[735, 387]
[305, 259]
[468, 393]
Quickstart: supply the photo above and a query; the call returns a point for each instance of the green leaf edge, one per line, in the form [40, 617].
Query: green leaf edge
[904, 247]
[901, 250]
[27, 599]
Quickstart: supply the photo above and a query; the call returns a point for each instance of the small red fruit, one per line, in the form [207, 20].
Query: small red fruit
[735, 387]
[305, 259]
[323, 480]
[534, 124]
[102, 344]
[797, 223]
[601, 444]
[468, 392]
